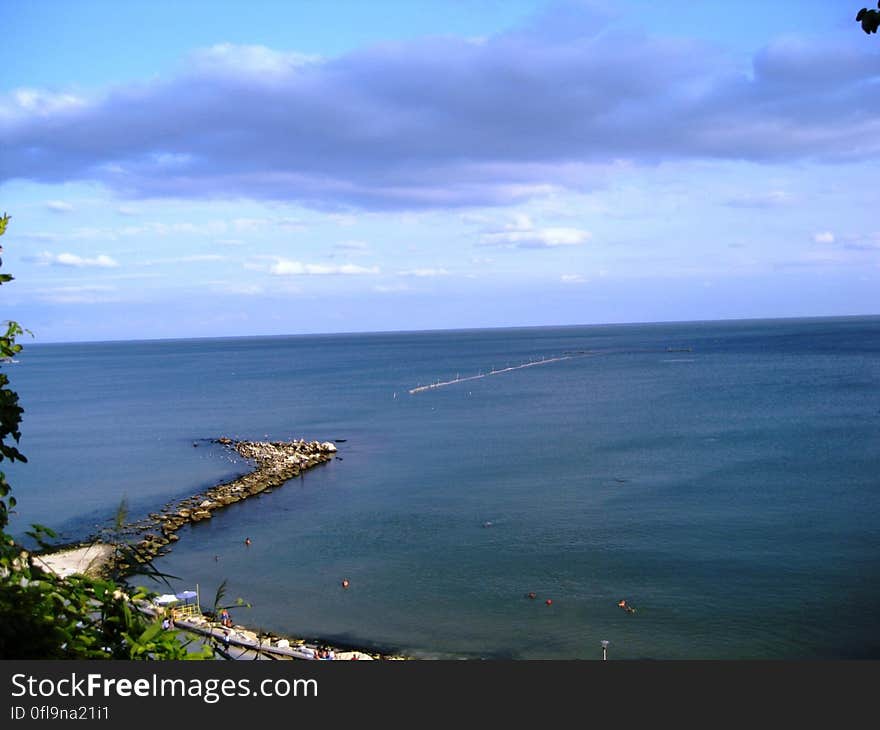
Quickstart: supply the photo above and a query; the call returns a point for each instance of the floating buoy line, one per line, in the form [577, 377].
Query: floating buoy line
[499, 371]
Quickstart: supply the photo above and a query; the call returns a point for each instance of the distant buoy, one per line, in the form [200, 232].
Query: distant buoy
[247, 541]
[345, 583]
[549, 601]
[532, 595]
[487, 524]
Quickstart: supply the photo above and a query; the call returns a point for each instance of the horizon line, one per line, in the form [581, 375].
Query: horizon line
[459, 329]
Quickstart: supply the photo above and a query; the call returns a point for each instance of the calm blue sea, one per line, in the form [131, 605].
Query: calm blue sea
[722, 477]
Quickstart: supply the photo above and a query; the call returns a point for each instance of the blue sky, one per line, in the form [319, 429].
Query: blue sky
[209, 168]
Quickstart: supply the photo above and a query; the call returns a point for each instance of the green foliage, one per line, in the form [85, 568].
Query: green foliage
[10, 410]
[4, 221]
[870, 19]
[79, 617]
[43, 616]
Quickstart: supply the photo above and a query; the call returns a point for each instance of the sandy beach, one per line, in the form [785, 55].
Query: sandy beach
[87, 560]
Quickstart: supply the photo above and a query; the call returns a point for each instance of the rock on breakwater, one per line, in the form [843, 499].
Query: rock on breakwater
[275, 463]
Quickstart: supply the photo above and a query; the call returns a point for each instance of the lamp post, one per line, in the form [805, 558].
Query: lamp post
[605, 649]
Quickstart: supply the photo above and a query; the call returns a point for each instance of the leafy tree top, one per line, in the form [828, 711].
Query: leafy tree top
[870, 19]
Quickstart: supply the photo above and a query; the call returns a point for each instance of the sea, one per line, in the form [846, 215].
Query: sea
[723, 478]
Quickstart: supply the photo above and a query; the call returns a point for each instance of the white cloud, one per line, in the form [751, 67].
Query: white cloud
[344, 220]
[171, 160]
[772, 199]
[248, 224]
[390, 288]
[246, 290]
[290, 224]
[423, 273]
[862, 243]
[90, 233]
[78, 294]
[248, 60]
[39, 103]
[426, 123]
[161, 229]
[195, 258]
[823, 237]
[481, 260]
[572, 279]
[249, 290]
[522, 233]
[69, 259]
[352, 246]
[39, 236]
[288, 267]
[479, 218]
[59, 206]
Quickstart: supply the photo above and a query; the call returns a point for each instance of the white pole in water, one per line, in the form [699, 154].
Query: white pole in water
[605, 649]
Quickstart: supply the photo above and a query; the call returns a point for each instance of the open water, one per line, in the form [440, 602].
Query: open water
[722, 477]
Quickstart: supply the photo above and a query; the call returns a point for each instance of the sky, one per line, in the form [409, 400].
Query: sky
[220, 168]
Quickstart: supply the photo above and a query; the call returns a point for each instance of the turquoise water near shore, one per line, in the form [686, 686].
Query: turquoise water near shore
[723, 477]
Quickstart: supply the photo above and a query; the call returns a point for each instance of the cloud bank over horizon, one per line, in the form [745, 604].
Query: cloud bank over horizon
[442, 122]
[526, 162]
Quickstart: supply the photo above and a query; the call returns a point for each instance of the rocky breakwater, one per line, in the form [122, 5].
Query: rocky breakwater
[275, 463]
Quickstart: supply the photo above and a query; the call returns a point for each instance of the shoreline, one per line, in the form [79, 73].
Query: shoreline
[275, 463]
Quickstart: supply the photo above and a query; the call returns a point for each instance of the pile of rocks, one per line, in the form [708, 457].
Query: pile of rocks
[276, 462]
